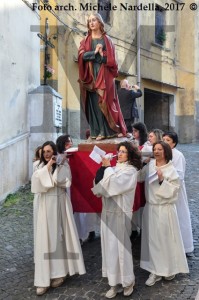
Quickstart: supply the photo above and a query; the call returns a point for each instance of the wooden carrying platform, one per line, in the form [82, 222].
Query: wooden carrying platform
[107, 147]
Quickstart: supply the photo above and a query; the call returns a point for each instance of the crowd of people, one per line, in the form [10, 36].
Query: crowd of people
[151, 157]
[165, 220]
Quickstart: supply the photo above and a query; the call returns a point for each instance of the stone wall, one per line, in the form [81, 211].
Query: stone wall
[20, 61]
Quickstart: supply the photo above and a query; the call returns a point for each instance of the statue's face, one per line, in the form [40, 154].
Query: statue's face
[93, 23]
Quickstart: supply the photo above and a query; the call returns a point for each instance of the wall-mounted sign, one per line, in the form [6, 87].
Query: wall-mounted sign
[57, 112]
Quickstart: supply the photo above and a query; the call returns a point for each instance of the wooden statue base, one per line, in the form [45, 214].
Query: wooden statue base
[108, 145]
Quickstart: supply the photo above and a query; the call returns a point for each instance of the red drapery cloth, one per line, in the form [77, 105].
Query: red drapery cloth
[83, 170]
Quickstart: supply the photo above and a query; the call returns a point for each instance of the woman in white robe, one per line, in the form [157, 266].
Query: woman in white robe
[117, 188]
[57, 248]
[86, 223]
[162, 250]
[182, 204]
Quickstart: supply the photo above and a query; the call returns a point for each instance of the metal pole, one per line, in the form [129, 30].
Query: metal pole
[138, 56]
[45, 51]
[138, 45]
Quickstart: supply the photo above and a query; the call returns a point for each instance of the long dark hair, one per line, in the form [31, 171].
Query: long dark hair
[143, 135]
[134, 155]
[42, 159]
[167, 150]
[61, 142]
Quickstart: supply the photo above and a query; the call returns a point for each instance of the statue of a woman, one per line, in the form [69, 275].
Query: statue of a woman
[97, 72]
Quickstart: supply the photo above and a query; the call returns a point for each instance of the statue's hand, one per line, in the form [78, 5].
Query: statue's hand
[98, 48]
[101, 51]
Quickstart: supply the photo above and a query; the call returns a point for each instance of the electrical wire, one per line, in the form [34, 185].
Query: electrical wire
[31, 7]
[78, 31]
[81, 32]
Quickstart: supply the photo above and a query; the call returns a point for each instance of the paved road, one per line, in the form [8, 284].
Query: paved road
[16, 255]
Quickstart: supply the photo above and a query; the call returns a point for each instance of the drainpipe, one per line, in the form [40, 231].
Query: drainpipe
[138, 56]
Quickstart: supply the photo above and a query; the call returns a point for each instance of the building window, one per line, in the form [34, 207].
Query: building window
[105, 14]
[160, 34]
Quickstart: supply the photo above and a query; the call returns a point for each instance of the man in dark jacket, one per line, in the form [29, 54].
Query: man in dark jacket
[127, 98]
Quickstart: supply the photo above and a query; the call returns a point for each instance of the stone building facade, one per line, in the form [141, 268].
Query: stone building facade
[156, 47]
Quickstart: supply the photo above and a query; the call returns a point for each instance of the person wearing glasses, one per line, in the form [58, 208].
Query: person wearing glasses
[116, 185]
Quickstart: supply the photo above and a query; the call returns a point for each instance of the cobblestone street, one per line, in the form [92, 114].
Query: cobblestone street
[16, 254]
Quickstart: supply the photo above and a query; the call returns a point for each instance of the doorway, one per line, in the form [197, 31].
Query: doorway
[159, 110]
